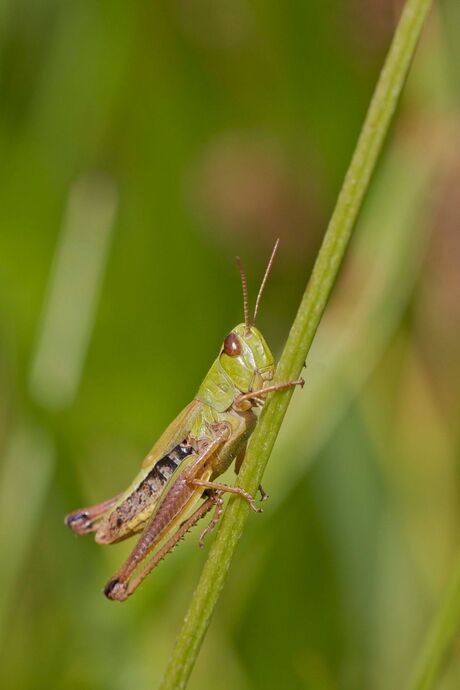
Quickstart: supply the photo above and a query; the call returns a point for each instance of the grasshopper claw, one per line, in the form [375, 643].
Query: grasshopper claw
[253, 505]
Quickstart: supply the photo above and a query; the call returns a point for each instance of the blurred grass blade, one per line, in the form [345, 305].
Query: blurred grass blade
[312, 306]
[440, 637]
[24, 481]
[57, 364]
[73, 291]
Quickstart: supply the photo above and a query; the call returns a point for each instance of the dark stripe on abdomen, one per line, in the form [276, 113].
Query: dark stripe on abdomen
[160, 473]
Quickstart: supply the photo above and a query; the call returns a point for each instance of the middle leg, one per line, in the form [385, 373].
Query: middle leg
[216, 498]
[224, 488]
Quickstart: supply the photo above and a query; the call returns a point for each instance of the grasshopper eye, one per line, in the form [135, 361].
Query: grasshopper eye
[232, 345]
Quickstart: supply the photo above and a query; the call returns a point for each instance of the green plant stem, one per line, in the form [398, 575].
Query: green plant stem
[308, 317]
[440, 636]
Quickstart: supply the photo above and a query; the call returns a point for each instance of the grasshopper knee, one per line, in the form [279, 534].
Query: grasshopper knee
[79, 522]
[115, 590]
[75, 518]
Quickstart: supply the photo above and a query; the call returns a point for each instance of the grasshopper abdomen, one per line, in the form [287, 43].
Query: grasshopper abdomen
[138, 505]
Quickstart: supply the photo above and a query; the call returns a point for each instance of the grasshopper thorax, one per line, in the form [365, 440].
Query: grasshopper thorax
[246, 358]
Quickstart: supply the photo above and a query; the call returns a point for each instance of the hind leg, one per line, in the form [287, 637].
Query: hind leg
[120, 590]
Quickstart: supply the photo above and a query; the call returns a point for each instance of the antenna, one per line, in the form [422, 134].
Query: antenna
[244, 285]
[264, 279]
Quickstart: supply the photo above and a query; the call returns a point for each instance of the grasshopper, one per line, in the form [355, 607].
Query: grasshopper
[180, 471]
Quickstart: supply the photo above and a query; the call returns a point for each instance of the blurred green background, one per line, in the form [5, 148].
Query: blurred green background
[143, 145]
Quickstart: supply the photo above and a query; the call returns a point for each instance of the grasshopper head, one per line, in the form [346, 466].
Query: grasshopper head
[246, 358]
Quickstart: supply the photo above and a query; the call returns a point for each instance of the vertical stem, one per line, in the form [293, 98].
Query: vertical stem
[303, 330]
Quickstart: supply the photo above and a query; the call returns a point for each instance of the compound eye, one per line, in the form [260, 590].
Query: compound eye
[232, 345]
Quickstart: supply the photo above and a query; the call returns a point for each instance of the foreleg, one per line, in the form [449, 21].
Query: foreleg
[242, 401]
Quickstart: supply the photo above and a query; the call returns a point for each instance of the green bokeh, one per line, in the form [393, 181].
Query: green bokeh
[216, 127]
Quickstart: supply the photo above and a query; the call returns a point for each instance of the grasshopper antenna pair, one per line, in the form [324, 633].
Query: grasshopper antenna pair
[244, 285]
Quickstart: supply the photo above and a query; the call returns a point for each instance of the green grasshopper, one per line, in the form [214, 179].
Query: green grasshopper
[180, 471]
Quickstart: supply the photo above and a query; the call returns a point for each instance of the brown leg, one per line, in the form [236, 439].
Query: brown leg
[217, 499]
[81, 521]
[117, 590]
[228, 489]
[255, 395]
